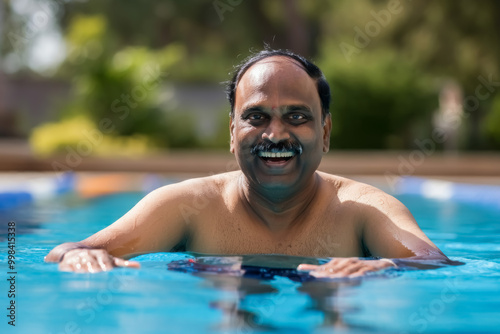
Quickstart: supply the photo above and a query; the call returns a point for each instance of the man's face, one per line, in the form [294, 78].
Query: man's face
[277, 133]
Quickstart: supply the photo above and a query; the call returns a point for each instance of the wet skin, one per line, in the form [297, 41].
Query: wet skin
[277, 204]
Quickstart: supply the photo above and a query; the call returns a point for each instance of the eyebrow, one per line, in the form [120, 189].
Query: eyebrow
[296, 107]
[252, 109]
[288, 108]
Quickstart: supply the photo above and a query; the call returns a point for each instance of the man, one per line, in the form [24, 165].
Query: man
[278, 203]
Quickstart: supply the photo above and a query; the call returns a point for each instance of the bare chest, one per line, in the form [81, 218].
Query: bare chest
[329, 234]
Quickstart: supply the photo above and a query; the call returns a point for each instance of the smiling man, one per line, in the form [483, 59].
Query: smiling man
[278, 203]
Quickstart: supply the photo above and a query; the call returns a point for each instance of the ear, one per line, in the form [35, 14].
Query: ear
[231, 130]
[327, 129]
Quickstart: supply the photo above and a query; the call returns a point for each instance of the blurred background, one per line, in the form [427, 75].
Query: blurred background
[82, 79]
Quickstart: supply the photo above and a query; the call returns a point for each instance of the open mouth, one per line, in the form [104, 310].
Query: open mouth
[276, 154]
[276, 157]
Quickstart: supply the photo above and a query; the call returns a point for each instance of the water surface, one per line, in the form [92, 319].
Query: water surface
[459, 299]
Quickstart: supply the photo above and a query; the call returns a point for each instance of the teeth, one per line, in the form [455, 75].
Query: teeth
[276, 155]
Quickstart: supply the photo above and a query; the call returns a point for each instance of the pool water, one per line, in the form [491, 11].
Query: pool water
[156, 299]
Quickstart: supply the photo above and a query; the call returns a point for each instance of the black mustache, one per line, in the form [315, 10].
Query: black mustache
[282, 146]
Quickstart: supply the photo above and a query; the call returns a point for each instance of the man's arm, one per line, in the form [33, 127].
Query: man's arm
[154, 224]
[388, 231]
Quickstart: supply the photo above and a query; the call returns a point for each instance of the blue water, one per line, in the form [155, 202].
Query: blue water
[461, 299]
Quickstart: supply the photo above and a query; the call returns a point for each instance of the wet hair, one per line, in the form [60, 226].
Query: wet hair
[312, 70]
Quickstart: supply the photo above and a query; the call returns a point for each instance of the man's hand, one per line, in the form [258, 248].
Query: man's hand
[346, 267]
[92, 260]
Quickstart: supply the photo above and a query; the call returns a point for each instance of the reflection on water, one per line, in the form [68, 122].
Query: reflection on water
[257, 302]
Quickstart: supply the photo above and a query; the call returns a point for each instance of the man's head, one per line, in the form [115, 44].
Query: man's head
[312, 70]
[280, 124]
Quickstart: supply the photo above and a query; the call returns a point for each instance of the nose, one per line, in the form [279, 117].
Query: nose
[276, 131]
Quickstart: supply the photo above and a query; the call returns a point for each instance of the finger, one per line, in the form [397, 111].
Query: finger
[341, 268]
[79, 268]
[71, 264]
[93, 267]
[361, 272]
[340, 264]
[105, 262]
[65, 267]
[84, 265]
[307, 267]
[124, 263]
[334, 266]
[320, 274]
[350, 269]
[81, 262]
[86, 262]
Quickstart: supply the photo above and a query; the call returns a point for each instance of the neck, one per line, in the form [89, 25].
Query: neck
[279, 209]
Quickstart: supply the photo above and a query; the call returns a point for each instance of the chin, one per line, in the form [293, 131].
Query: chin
[279, 182]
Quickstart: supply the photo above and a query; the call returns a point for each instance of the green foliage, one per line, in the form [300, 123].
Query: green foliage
[122, 93]
[126, 88]
[491, 125]
[81, 135]
[85, 29]
[375, 101]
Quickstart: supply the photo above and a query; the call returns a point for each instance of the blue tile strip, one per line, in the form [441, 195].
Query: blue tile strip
[25, 192]
[10, 200]
[29, 190]
[481, 194]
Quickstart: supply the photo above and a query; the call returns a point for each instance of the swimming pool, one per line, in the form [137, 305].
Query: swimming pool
[461, 299]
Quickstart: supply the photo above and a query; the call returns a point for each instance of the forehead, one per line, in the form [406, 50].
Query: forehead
[278, 78]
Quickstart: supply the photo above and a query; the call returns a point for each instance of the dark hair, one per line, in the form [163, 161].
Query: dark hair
[312, 70]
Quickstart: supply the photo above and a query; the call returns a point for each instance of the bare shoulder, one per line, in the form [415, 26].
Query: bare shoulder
[162, 219]
[209, 187]
[353, 191]
[348, 189]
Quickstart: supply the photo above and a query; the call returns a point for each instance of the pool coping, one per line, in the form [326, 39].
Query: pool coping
[16, 155]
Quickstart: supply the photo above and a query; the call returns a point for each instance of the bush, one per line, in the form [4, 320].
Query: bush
[126, 90]
[378, 101]
[81, 135]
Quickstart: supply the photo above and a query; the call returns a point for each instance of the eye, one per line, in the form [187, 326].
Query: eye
[297, 117]
[255, 117]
